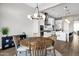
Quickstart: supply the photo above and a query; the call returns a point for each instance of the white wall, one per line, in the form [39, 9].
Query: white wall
[36, 27]
[14, 16]
[76, 25]
[71, 25]
[68, 27]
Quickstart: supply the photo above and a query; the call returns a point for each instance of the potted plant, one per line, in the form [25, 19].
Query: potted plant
[5, 30]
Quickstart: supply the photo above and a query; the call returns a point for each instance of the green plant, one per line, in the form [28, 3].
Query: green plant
[5, 30]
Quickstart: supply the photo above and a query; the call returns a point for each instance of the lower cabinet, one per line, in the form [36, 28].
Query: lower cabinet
[61, 36]
[7, 42]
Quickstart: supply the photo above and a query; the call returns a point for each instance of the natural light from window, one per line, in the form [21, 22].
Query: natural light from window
[76, 26]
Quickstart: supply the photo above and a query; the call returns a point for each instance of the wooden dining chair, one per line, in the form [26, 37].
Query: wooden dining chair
[38, 49]
[50, 46]
[20, 51]
[42, 46]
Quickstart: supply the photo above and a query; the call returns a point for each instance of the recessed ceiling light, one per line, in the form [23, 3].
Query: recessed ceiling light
[65, 7]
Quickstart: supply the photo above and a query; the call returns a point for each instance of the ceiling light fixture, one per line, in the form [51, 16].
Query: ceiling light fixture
[67, 20]
[37, 15]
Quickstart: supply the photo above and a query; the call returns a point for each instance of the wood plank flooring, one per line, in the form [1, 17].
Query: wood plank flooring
[69, 49]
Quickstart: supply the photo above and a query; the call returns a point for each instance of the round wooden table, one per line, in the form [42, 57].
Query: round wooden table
[37, 43]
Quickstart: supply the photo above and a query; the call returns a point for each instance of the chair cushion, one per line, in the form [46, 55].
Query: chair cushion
[22, 49]
[51, 47]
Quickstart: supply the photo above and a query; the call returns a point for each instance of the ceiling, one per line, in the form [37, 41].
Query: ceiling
[42, 6]
[58, 9]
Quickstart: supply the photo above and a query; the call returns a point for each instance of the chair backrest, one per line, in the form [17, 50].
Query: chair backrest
[16, 40]
[22, 37]
[38, 49]
[50, 41]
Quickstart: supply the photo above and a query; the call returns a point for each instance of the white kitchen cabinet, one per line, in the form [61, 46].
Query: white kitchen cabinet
[61, 36]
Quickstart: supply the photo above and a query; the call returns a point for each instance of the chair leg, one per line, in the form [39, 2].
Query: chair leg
[54, 51]
[29, 51]
[26, 53]
[45, 52]
[16, 53]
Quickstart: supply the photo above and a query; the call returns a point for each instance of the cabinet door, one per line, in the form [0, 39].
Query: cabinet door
[7, 42]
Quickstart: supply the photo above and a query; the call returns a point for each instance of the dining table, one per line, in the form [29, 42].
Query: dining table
[37, 42]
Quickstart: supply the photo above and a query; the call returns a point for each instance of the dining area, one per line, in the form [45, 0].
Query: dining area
[34, 46]
[42, 33]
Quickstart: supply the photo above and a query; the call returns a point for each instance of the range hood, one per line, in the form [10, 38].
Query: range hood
[46, 19]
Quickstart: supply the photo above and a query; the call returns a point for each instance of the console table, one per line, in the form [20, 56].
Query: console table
[7, 41]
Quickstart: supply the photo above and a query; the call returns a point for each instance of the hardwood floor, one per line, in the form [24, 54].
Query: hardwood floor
[66, 49]
[69, 49]
[8, 52]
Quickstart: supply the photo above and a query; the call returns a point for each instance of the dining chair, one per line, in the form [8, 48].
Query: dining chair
[20, 51]
[42, 47]
[50, 47]
[38, 49]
